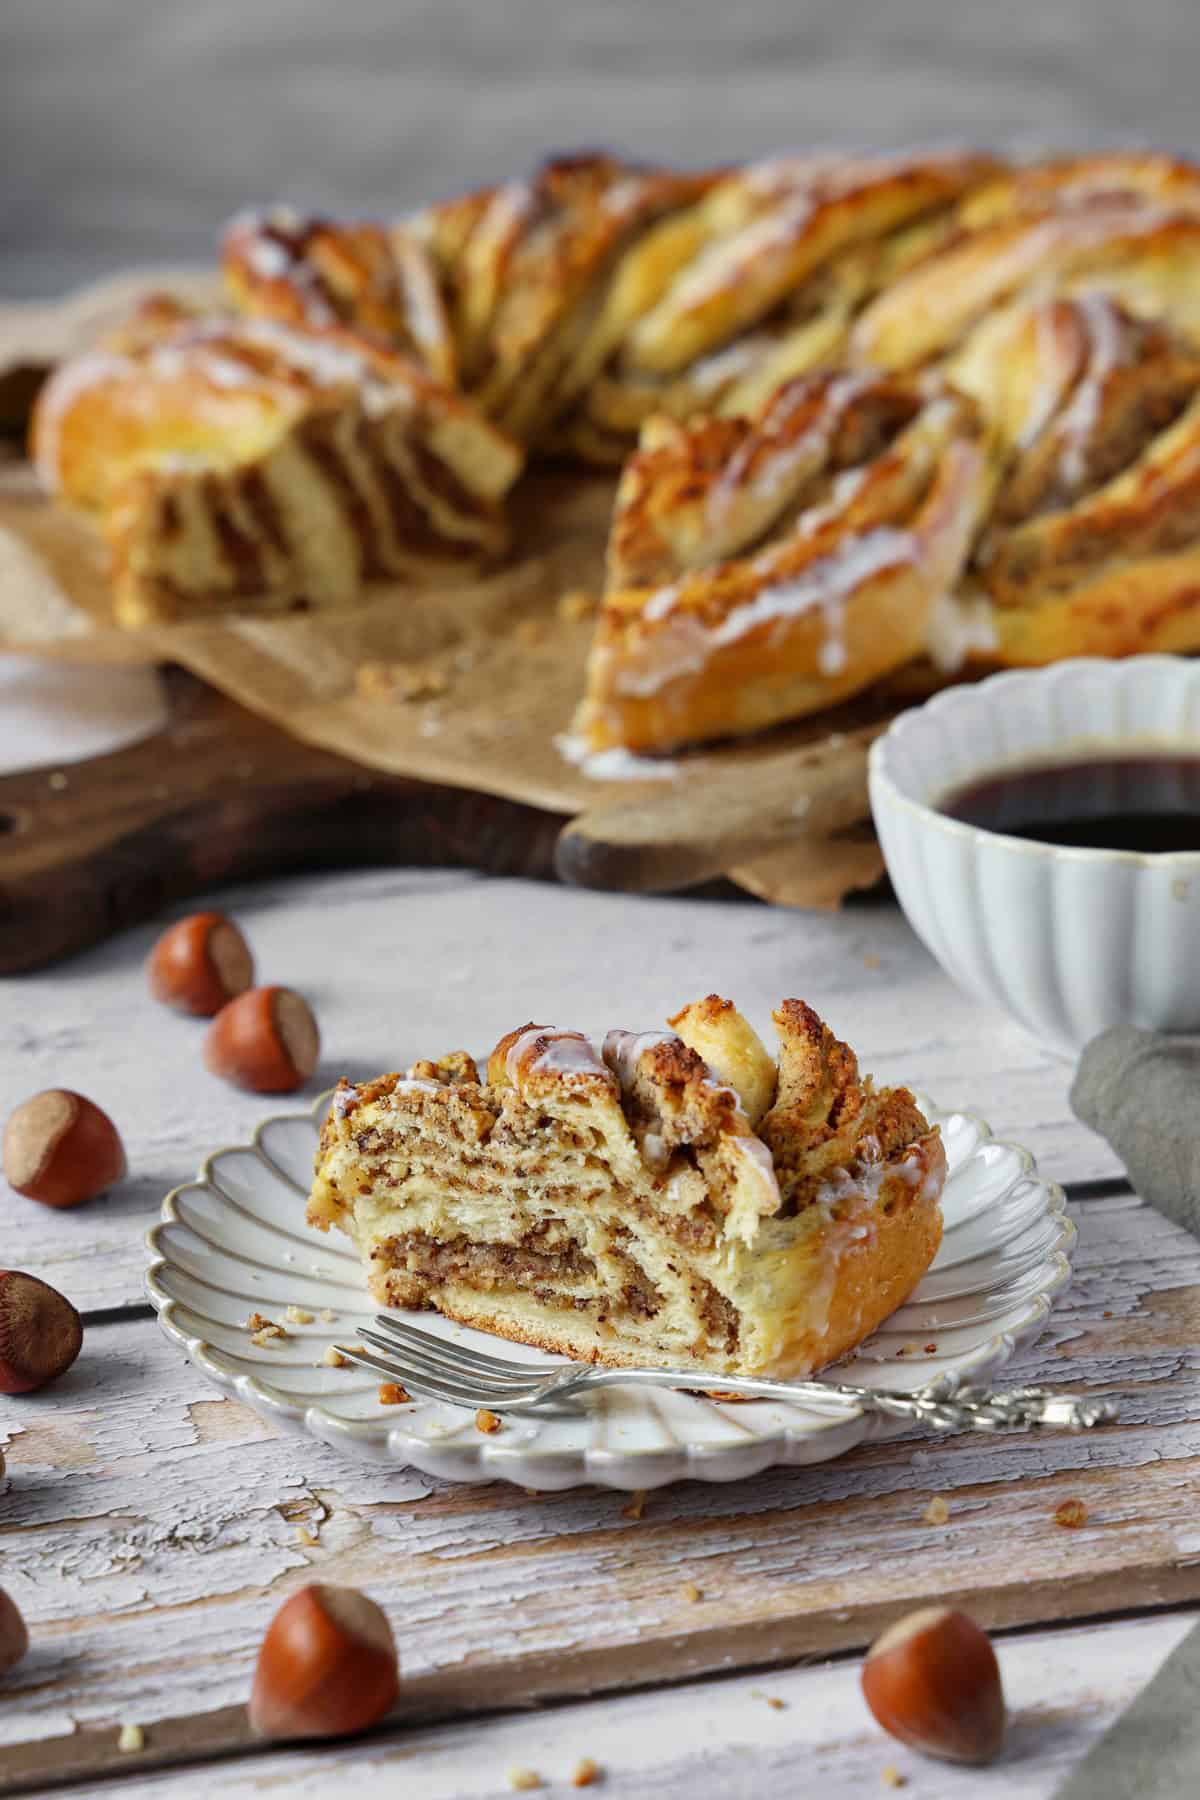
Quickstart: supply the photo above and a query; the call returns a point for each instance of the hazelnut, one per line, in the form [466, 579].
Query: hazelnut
[932, 1680]
[40, 1333]
[327, 1666]
[265, 1040]
[14, 1638]
[60, 1148]
[200, 964]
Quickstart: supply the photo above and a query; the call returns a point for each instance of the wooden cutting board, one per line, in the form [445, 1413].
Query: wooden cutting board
[221, 795]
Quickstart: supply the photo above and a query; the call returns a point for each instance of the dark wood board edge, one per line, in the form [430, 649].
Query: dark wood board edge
[217, 797]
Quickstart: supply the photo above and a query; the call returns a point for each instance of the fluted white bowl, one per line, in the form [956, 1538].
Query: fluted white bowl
[1067, 940]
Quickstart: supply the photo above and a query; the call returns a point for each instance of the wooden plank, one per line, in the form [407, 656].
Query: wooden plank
[733, 1736]
[151, 1529]
[401, 962]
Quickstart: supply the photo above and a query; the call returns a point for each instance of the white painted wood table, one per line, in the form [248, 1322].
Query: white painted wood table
[151, 1527]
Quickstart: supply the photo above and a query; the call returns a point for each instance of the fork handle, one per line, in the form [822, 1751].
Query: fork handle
[943, 1404]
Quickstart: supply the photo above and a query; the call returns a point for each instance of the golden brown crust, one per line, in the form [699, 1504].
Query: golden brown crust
[531, 271]
[1093, 541]
[245, 463]
[306, 271]
[794, 558]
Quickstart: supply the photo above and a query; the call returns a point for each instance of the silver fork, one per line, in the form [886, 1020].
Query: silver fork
[438, 1369]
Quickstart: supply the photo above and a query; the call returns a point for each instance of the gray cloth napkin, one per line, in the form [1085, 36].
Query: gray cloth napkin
[1141, 1092]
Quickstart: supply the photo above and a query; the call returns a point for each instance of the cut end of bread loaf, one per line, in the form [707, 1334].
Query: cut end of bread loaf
[672, 1198]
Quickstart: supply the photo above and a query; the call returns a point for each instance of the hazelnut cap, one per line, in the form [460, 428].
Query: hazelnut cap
[200, 963]
[933, 1682]
[327, 1666]
[40, 1332]
[61, 1149]
[265, 1040]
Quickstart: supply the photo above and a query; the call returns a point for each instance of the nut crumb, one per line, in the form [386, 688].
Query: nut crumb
[333, 1358]
[132, 1737]
[574, 605]
[269, 1338]
[296, 1315]
[776, 1704]
[487, 1422]
[891, 1776]
[257, 1322]
[937, 1512]
[1071, 1513]
[691, 1593]
[872, 962]
[391, 1393]
[327, 1315]
[635, 1506]
[398, 681]
[524, 1780]
[306, 1537]
[587, 1772]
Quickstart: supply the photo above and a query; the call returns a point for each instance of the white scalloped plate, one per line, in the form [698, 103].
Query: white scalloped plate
[234, 1241]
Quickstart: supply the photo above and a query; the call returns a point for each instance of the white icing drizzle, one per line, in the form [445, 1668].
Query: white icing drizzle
[827, 583]
[617, 764]
[842, 489]
[426, 320]
[866, 1177]
[623, 197]
[723, 366]
[623, 1051]
[760, 1168]
[779, 461]
[417, 1084]
[510, 206]
[268, 258]
[710, 271]
[1048, 394]
[959, 624]
[325, 364]
[661, 603]
[833, 655]
[1106, 354]
[564, 1053]
[343, 1100]
[832, 578]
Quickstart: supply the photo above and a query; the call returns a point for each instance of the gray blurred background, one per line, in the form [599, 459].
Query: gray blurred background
[130, 129]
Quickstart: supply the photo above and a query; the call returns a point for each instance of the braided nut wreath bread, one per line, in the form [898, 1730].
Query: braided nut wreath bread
[875, 410]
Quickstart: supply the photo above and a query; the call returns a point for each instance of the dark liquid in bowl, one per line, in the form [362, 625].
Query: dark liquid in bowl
[1149, 803]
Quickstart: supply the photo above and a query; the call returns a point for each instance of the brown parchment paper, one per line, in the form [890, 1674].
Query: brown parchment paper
[506, 665]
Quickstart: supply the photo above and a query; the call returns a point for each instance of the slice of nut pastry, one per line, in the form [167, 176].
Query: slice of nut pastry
[1092, 545]
[761, 569]
[373, 280]
[245, 464]
[761, 280]
[680, 1198]
[536, 280]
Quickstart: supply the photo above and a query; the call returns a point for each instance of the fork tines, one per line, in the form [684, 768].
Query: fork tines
[435, 1367]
